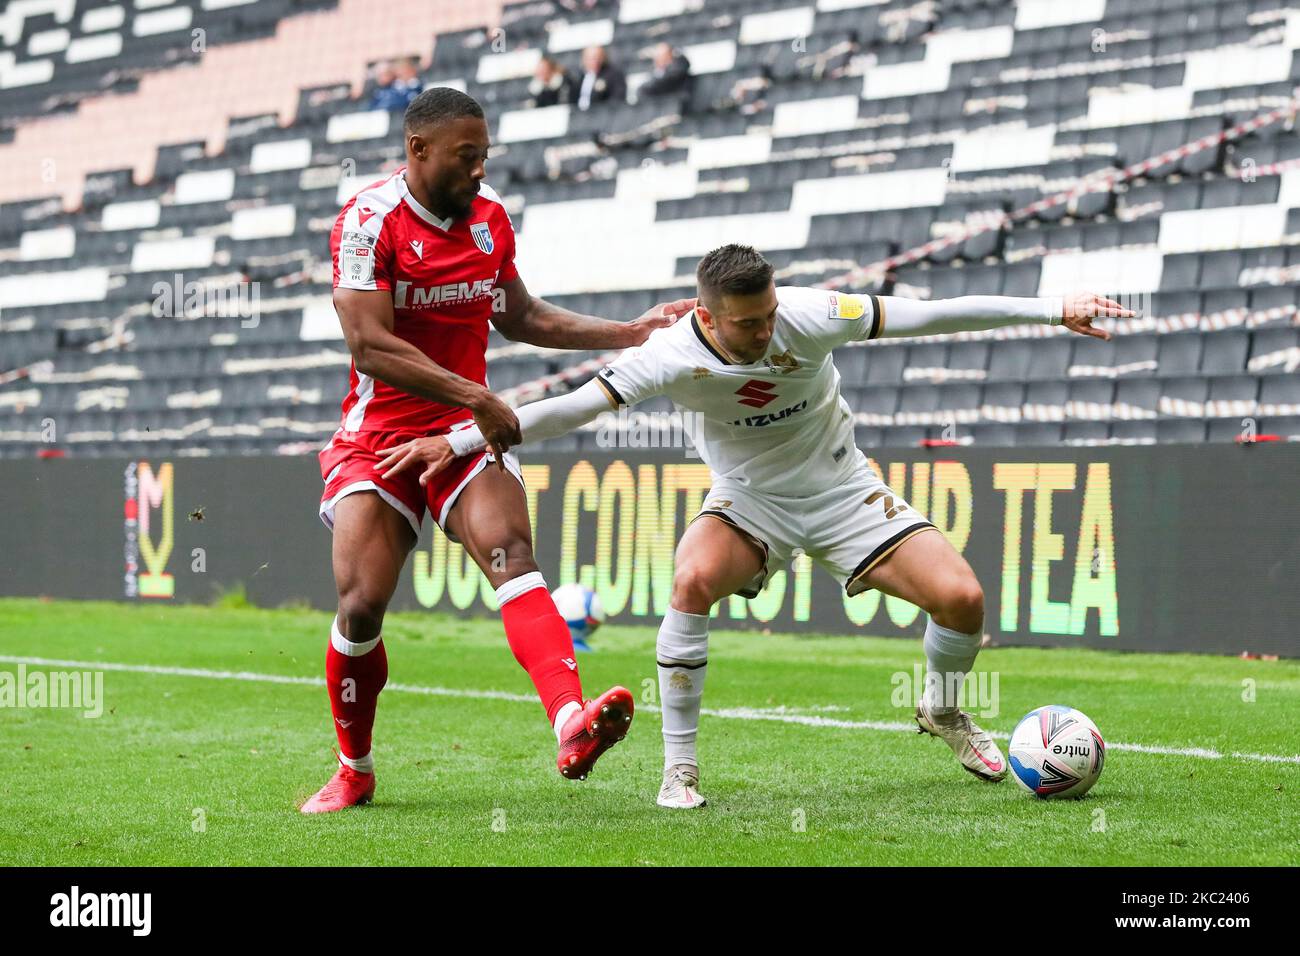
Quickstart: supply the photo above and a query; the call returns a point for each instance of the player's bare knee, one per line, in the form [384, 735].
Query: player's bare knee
[961, 606]
[361, 616]
[693, 589]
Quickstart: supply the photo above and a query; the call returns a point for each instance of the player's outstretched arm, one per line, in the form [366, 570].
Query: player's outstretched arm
[526, 318]
[367, 320]
[548, 418]
[975, 312]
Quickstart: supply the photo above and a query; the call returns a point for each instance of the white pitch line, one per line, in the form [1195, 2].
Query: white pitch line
[775, 715]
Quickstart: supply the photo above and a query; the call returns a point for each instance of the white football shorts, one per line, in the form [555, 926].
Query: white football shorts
[848, 529]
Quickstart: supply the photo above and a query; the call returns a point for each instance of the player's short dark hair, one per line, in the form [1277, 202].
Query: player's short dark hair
[732, 269]
[439, 104]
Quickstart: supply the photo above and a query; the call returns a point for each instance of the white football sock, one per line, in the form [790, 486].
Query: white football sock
[683, 652]
[351, 648]
[364, 764]
[949, 656]
[517, 586]
[562, 716]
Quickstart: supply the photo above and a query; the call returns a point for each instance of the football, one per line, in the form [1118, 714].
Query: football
[1056, 751]
[581, 609]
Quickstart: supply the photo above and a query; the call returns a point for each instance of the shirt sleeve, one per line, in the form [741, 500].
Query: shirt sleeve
[539, 421]
[508, 271]
[362, 252]
[830, 319]
[967, 313]
[639, 373]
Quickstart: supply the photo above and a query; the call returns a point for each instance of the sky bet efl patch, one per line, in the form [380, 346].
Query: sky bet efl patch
[846, 306]
[357, 262]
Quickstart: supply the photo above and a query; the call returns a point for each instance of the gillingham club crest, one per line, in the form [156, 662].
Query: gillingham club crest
[482, 237]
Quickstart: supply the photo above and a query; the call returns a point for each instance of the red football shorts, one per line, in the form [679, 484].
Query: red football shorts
[347, 465]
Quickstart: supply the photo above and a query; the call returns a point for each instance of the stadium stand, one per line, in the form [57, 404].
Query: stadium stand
[164, 269]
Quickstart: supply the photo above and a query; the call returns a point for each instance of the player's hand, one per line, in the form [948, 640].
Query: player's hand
[1082, 307]
[434, 454]
[497, 422]
[657, 317]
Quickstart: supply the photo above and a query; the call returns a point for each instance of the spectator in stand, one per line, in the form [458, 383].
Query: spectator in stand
[601, 81]
[408, 79]
[748, 94]
[383, 80]
[551, 84]
[396, 84]
[670, 75]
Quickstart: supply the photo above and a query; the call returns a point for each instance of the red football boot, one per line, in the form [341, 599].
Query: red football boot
[346, 788]
[591, 731]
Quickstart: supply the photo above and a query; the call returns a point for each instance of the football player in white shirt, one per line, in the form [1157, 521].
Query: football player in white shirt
[753, 361]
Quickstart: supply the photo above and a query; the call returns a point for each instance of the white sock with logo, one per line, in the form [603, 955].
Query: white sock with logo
[949, 656]
[682, 650]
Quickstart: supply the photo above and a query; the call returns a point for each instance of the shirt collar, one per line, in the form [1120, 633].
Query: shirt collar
[405, 192]
[710, 343]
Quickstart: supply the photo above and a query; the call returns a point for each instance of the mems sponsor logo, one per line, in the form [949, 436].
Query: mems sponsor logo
[406, 296]
[74, 908]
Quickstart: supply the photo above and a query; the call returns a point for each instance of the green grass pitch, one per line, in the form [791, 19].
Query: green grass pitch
[800, 762]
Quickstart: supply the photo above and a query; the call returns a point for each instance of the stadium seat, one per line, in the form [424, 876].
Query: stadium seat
[1009, 361]
[1090, 401]
[1038, 433]
[1279, 396]
[902, 436]
[1225, 352]
[992, 434]
[885, 365]
[1180, 431]
[1045, 401]
[1179, 354]
[1286, 426]
[1133, 432]
[1085, 433]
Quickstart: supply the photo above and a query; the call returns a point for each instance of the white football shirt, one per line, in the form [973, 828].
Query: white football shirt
[779, 424]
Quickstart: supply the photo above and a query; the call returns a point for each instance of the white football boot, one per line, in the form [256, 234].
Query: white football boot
[678, 790]
[974, 747]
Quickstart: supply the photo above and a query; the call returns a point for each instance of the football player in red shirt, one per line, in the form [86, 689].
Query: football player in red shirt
[423, 261]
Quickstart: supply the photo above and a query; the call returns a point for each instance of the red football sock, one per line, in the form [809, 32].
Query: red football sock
[354, 682]
[540, 641]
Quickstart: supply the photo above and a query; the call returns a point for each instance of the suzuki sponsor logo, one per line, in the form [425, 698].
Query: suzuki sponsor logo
[772, 417]
[756, 394]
